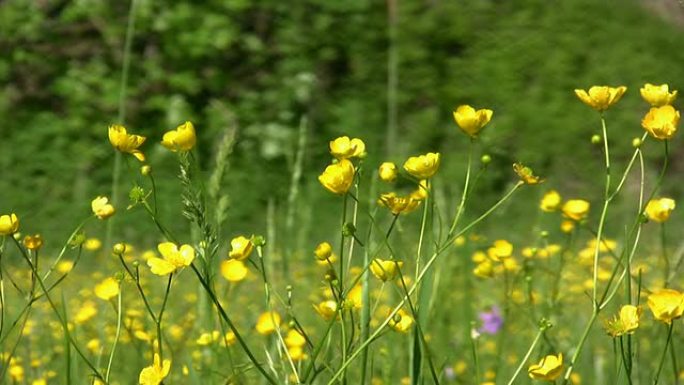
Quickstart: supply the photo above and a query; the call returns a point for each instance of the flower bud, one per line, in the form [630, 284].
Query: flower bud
[146, 170]
[119, 249]
[486, 159]
[636, 142]
[596, 139]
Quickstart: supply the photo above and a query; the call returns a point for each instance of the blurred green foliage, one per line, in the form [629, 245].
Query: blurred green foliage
[260, 66]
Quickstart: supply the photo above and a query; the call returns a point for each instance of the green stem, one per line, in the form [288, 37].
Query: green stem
[464, 195]
[662, 357]
[116, 337]
[527, 355]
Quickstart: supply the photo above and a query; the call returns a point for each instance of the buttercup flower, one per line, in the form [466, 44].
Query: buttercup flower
[401, 321]
[125, 142]
[9, 224]
[183, 138]
[233, 270]
[102, 208]
[661, 122]
[601, 98]
[421, 192]
[156, 373]
[338, 177]
[345, 148]
[174, 258]
[470, 120]
[323, 251]
[658, 210]
[550, 201]
[423, 166]
[576, 209]
[526, 174]
[397, 204]
[327, 309]
[33, 242]
[109, 288]
[267, 323]
[388, 172]
[658, 96]
[484, 269]
[240, 248]
[548, 369]
[500, 250]
[666, 305]
[626, 322]
[385, 270]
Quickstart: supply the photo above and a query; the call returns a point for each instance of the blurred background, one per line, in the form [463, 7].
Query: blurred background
[389, 72]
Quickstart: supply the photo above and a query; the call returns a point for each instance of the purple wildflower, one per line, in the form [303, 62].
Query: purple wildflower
[491, 321]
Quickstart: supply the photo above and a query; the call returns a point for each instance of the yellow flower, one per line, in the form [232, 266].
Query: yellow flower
[92, 244]
[626, 322]
[240, 248]
[501, 249]
[661, 122]
[576, 209]
[666, 305]
[9, 224]
[423, 166]
[230, 338]
[401, 321]
[205, 339]
[345, 148]
[470, 120]
[567, 226]
[326, 309]
[550, 201]
[296, 353]
[338, 177]
[267, 323]
[385, 270]
[173, 258]
[125, 142]
[421, 192]
[294, 339]
[16, 372]
[183, 138]
[658, 96]
[484, 269]
[658, 210]
[233, 270]
[526, 174]
[109, 288]
[354, 299]
[85, 312]
[101, 207]
[548, 369]
[388, 172]
[155, 373]
[601, 98]
[33, 242]
[323, 251]
[397, 204]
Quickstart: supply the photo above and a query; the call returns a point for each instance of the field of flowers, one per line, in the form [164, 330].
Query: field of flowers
[408, 290]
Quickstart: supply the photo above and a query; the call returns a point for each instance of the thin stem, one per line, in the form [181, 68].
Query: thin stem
[116, 337]
[662, 357]
[464, 195]
[527, 355]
